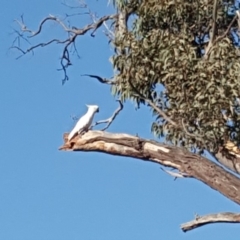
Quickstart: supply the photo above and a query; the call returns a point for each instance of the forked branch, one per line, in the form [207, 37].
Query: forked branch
[213, 39]
[110, 120]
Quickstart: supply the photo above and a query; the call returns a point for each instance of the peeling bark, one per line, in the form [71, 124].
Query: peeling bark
[191, 165]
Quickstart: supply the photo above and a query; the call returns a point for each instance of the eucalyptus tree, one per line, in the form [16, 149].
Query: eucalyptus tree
[181, 59]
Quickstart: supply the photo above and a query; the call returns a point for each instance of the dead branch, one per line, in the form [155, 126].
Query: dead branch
[199, 221]
[192, 165]
[73, 34]
[37, 46]
[110, 120]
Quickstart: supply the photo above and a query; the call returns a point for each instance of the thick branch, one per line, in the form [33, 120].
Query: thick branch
[211, 218]
[187, 163]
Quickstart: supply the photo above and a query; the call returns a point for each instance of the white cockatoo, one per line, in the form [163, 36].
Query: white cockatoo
[84, 123]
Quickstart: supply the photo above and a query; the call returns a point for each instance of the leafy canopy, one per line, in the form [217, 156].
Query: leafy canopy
[182, 55]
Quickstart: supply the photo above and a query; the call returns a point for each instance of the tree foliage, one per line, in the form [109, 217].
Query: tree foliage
[181, 56]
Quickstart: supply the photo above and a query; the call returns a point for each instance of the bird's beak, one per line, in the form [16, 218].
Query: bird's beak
[97, 110]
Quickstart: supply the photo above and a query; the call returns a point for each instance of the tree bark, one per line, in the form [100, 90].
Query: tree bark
[187, 163]
[199, 221]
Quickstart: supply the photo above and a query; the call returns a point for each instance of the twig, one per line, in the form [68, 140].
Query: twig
[18, 37]
[227, 31]
[100, 79]
[191, 134]
[74, 14]
[37, 46]
[212, 36]
[110, 120]
[74, 118]
[108, 32]
[199, 221]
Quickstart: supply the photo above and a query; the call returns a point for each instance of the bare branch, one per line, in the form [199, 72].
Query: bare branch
[22, 25]
[18, 37]
[70, 41]
[199, 221]
[100, 79]
[110, 120]
[37, 46]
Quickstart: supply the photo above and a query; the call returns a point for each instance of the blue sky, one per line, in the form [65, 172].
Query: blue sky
[47, 194]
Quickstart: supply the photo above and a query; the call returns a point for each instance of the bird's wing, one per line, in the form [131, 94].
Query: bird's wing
[81, 125]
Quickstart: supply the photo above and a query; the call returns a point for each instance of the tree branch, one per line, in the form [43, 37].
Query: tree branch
[73, 34]
[110, 120]
[227, 31]
[214, 20]
[187, 163]
[228, 159]
[100, 79]
[226, 217]
[213, 39]
[157, 109]
[213, 32]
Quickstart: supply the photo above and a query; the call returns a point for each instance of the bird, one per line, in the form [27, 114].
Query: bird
[84, 123]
